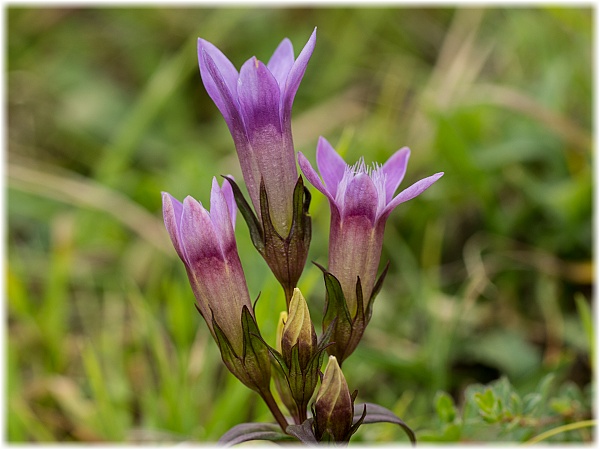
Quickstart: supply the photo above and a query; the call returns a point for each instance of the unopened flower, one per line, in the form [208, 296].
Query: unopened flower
[334, 406]
[280, 375]
[205, 242]
[300, 355]
[361, 199]
[299, 332]
[257, 106]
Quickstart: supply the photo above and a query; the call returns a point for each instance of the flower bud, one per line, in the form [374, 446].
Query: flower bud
[205, 242]
[334, 409]
[280, 378]
[298, 331]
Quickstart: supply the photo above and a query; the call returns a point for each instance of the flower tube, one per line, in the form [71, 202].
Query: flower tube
[205, 242]
[361, 199]
[257, 103]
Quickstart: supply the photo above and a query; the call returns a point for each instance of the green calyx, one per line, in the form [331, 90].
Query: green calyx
[285, 256]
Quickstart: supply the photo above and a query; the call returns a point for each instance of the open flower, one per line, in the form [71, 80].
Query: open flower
[361, 199]
[257, 105]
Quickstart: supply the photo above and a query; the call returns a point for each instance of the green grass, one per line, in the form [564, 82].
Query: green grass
[491, 269]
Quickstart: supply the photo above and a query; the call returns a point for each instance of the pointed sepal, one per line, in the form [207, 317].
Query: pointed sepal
[303, 432]
[376, 290]
[254, 226]
[255, 356]
[286, 255]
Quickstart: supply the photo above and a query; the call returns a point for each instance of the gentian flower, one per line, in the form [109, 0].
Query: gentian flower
[257, 106]
[361, 199]
[205, 242]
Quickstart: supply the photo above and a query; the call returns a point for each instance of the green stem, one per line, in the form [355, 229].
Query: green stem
[274, 408]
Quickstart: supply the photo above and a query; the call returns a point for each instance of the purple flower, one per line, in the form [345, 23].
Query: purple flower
[257, 105]
[361, 199]
[205, 242]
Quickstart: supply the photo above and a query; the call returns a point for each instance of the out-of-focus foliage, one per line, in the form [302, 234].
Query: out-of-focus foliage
[490, 283]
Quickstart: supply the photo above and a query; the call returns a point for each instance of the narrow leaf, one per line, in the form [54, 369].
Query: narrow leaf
[251, 432]
[377, 413]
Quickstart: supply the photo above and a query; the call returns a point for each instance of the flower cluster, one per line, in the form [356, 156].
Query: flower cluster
[256, 103]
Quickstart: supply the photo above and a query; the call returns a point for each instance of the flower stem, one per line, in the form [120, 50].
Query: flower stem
[274, 408]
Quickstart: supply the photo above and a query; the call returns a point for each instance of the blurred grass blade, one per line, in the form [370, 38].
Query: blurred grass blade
[84, 192]
[562, 429]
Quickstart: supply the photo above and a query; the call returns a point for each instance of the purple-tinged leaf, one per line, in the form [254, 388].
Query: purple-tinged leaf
[303, 432]
[377, 414]
[245, 432]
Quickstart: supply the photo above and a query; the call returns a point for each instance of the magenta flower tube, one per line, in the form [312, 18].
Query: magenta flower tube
[205, 242]
[361, 199]
[256, 104]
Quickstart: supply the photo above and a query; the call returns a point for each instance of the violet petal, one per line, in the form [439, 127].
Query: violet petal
[198, 236]
[394, 170]
[258, 94]
[331, 165]
[281, 62]
[219, 215]
[411, 192]
[230, 199]
[224, 66]
[312, 176]
[361, 197]
[295, 76]
[172, 212]
[220, 92]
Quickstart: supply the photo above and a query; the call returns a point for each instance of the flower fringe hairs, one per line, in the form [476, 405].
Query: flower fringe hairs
[256, 103]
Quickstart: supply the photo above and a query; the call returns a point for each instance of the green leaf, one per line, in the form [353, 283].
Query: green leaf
[444, 406]
[585, 315]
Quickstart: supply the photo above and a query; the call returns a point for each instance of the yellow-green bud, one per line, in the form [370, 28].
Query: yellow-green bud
[283, 317]
[334, 409]
[279, 377]
[298, 330]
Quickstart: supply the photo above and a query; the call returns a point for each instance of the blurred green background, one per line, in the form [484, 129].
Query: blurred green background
[491, 269]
